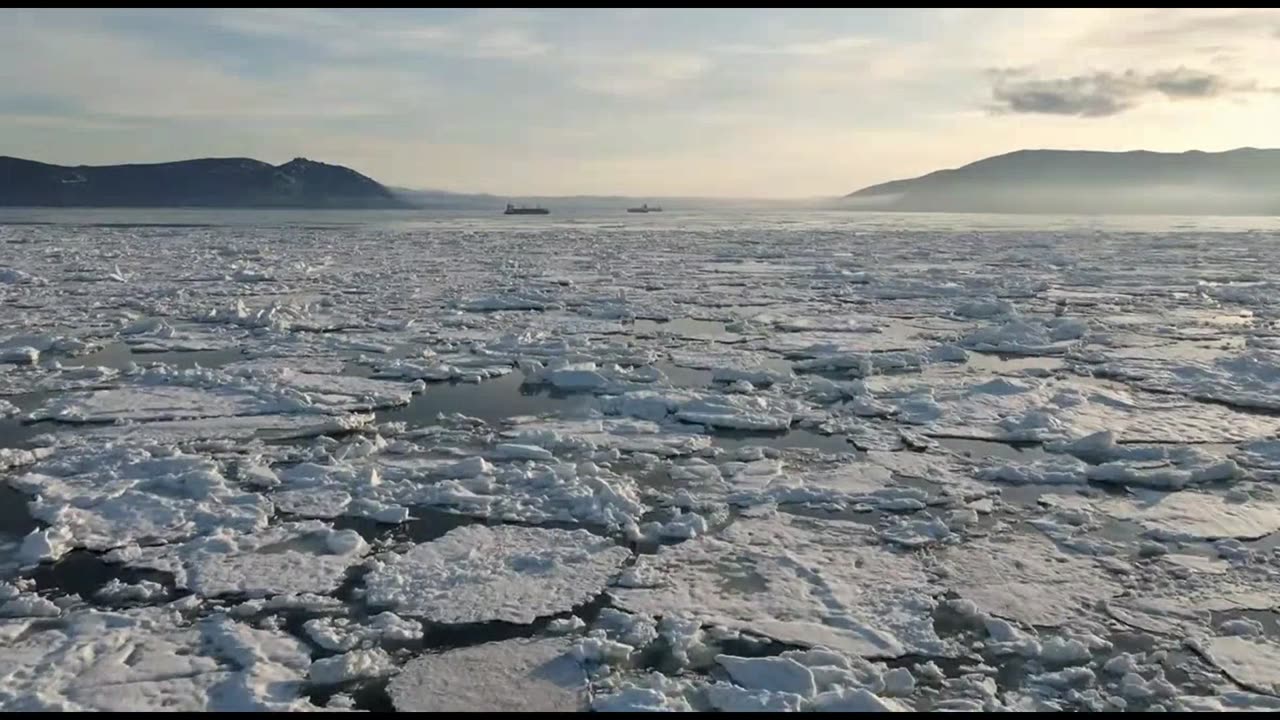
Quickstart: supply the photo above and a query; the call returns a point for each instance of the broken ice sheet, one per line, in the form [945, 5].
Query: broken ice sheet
[1187, 515]
[1252, 662]
[101, 499]
[1061, 409]
[626, 435]
[239, 428]
[480, 574]
[535, 675]
[1250, 379]
[1025, 577]
[380, 484]
[306, 557]
[794, 579]
[150, 659]
[165, 394]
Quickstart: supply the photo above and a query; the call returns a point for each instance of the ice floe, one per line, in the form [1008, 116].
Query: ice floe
[208, 404]
[287, 558]
[1026, 578]
[509, 676]
[105, 500]
[151, 660]
[1187, 515]
[1252, 662]
[810, 583]
[480, 574]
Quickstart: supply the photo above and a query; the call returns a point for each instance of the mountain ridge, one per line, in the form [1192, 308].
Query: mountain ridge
[1239, 181]
[226, 182]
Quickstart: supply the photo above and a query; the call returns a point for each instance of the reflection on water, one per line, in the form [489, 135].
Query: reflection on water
[14, 433]
[973, 448]
[15, 520]
[683, 327]
[119, 355]
[1001, 364]
[797, 438]
[491, 400]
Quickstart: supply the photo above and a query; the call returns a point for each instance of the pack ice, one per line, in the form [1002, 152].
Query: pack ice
[481, 574]
[766, 458]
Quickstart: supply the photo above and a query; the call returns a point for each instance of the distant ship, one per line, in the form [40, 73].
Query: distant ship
[645, 209]
[513, 210]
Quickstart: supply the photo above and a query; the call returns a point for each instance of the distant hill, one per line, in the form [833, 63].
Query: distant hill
[445, 200]
[1237, 182]
[207, 182]
[559, 204]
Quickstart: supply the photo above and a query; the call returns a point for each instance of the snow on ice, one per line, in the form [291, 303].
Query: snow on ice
[509, 573]
[213, 402]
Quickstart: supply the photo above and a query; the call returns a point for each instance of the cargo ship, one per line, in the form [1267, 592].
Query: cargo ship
[513, 210]
[644, 209]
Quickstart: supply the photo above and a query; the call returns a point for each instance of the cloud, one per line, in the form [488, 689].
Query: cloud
[507, 43]
[637, 74]
[105, 75]
[811, 48]
[1100, 94]
[1182, 25]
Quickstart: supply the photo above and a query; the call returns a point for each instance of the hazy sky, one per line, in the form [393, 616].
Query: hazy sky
[640, 102]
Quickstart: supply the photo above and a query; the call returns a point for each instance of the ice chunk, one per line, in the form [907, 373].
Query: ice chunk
[983, 308]
[843, 591]
[1243, 627]
[1049, 471]
[393, 627]
[351, 666]
[1187, 515]
[1025, 578]
[737, 412]
[1260, 454]
[731, 698]
[566, 626]
[509, 676]
[774, 674]
[637, 699]
[1163, 478]
[1229, 701]
[331, 634]
[346, 542]
[470, 467]
[516, 451]
[1065, 651]
[142, 591]
[899, 682]
[106, 498]
[1027, 336]
[579, 377]
[29, 605]
[598, 649]
[1072, 677]
[152, 660]
[479, 574]
[1252, 662]
[855, 700]
[634, 630]
[916, 533]
[13, 457]
[1248, 379]
[287, 558]
[44, 545]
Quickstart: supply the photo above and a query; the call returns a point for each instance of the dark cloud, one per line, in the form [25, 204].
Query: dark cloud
[1103, 93]
[1184, 83]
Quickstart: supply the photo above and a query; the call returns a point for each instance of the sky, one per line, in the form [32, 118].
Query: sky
[657, 102]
